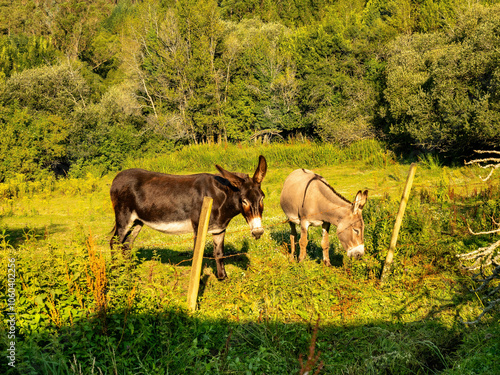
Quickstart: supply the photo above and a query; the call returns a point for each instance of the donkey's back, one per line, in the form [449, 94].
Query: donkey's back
[293, 196]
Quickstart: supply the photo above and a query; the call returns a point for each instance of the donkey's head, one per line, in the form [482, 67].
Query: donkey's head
[251, 197]
[350, 229]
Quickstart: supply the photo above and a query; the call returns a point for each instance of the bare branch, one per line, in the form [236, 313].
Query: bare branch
[487, 152]
[492, 162]
[487, 308]
[489, 232]
[482, 256]
[485, 258]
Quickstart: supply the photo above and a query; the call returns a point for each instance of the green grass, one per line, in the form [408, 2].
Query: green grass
[262, 319]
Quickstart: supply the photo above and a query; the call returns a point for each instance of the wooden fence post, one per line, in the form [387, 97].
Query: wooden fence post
[397, 224]
[194, 281]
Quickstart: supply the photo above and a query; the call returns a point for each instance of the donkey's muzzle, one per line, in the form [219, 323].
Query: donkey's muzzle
[356, 252]
[257, 232]
[256, 227]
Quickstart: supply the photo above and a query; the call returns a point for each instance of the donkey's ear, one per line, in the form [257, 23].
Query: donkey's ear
[261, 170]
[231, 177]
[359, 201]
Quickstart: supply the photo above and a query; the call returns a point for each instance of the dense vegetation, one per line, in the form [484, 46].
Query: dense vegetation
[86, 83]
[80, 313]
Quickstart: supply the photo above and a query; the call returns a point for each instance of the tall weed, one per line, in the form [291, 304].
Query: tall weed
[244, 158]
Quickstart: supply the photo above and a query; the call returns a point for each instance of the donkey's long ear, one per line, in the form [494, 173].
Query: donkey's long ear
[231, 177]
[261, 170]
[359, 201]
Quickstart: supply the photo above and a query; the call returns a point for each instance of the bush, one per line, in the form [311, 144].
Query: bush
[54, 89]
[32, 145]
[106, 133]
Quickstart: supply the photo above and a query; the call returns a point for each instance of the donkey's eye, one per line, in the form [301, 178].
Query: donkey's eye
[245, 202]
[355, 230]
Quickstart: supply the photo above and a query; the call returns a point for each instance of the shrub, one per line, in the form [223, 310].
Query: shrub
[31, 144]
[54, 89]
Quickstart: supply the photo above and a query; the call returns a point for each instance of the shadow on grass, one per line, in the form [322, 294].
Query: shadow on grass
[314, 249]
[172, 341]
[237, 256]
[16, 237]
[151, 335]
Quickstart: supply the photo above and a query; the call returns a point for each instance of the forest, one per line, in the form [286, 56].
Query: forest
[88, 84]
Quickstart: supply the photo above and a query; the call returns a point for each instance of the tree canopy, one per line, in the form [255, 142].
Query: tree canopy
[102, 79]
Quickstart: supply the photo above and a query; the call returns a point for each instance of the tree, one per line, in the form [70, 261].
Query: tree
[12, 17]
[173, 57]
[69, 24]
[441, 88]
[265, 78]
[336, 96]
[18, 53]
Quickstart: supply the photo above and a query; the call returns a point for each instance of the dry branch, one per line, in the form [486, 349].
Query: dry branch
[485, 258]
[491, 162]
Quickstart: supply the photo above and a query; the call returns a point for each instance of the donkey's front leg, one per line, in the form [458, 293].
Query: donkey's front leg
[219, 253]
[325, 244]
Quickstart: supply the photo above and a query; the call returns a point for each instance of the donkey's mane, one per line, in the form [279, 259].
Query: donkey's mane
[317, 177]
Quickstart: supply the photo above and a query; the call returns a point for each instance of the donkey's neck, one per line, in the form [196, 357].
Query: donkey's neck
[335, 206]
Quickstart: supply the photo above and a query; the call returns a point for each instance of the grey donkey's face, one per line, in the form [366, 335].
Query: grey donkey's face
[350, 230]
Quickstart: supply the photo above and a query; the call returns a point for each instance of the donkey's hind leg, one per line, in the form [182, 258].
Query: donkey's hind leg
[131, 235]
[293, 239]
[325, 244]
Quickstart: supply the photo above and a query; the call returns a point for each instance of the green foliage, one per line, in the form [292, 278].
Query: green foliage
[105, 134]
[440, 88]
[18, 53]
[289, 12]
[31, 145]
[419, 74]
[73, 34]
[56, 90]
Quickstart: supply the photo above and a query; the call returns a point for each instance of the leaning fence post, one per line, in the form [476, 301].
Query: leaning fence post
[194, 281]
[397, 224]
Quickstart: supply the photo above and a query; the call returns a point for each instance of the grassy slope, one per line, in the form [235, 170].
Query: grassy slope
[262, 319]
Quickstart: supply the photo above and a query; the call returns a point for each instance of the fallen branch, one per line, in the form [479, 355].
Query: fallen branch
[485, 258]
[493, 163]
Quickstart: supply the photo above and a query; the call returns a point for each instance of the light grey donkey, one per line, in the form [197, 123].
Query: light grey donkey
[307, 199]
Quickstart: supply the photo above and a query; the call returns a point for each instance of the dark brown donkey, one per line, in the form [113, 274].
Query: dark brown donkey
[172, 204]
[307, 199]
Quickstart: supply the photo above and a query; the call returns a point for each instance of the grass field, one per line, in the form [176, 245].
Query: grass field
[78, 315]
